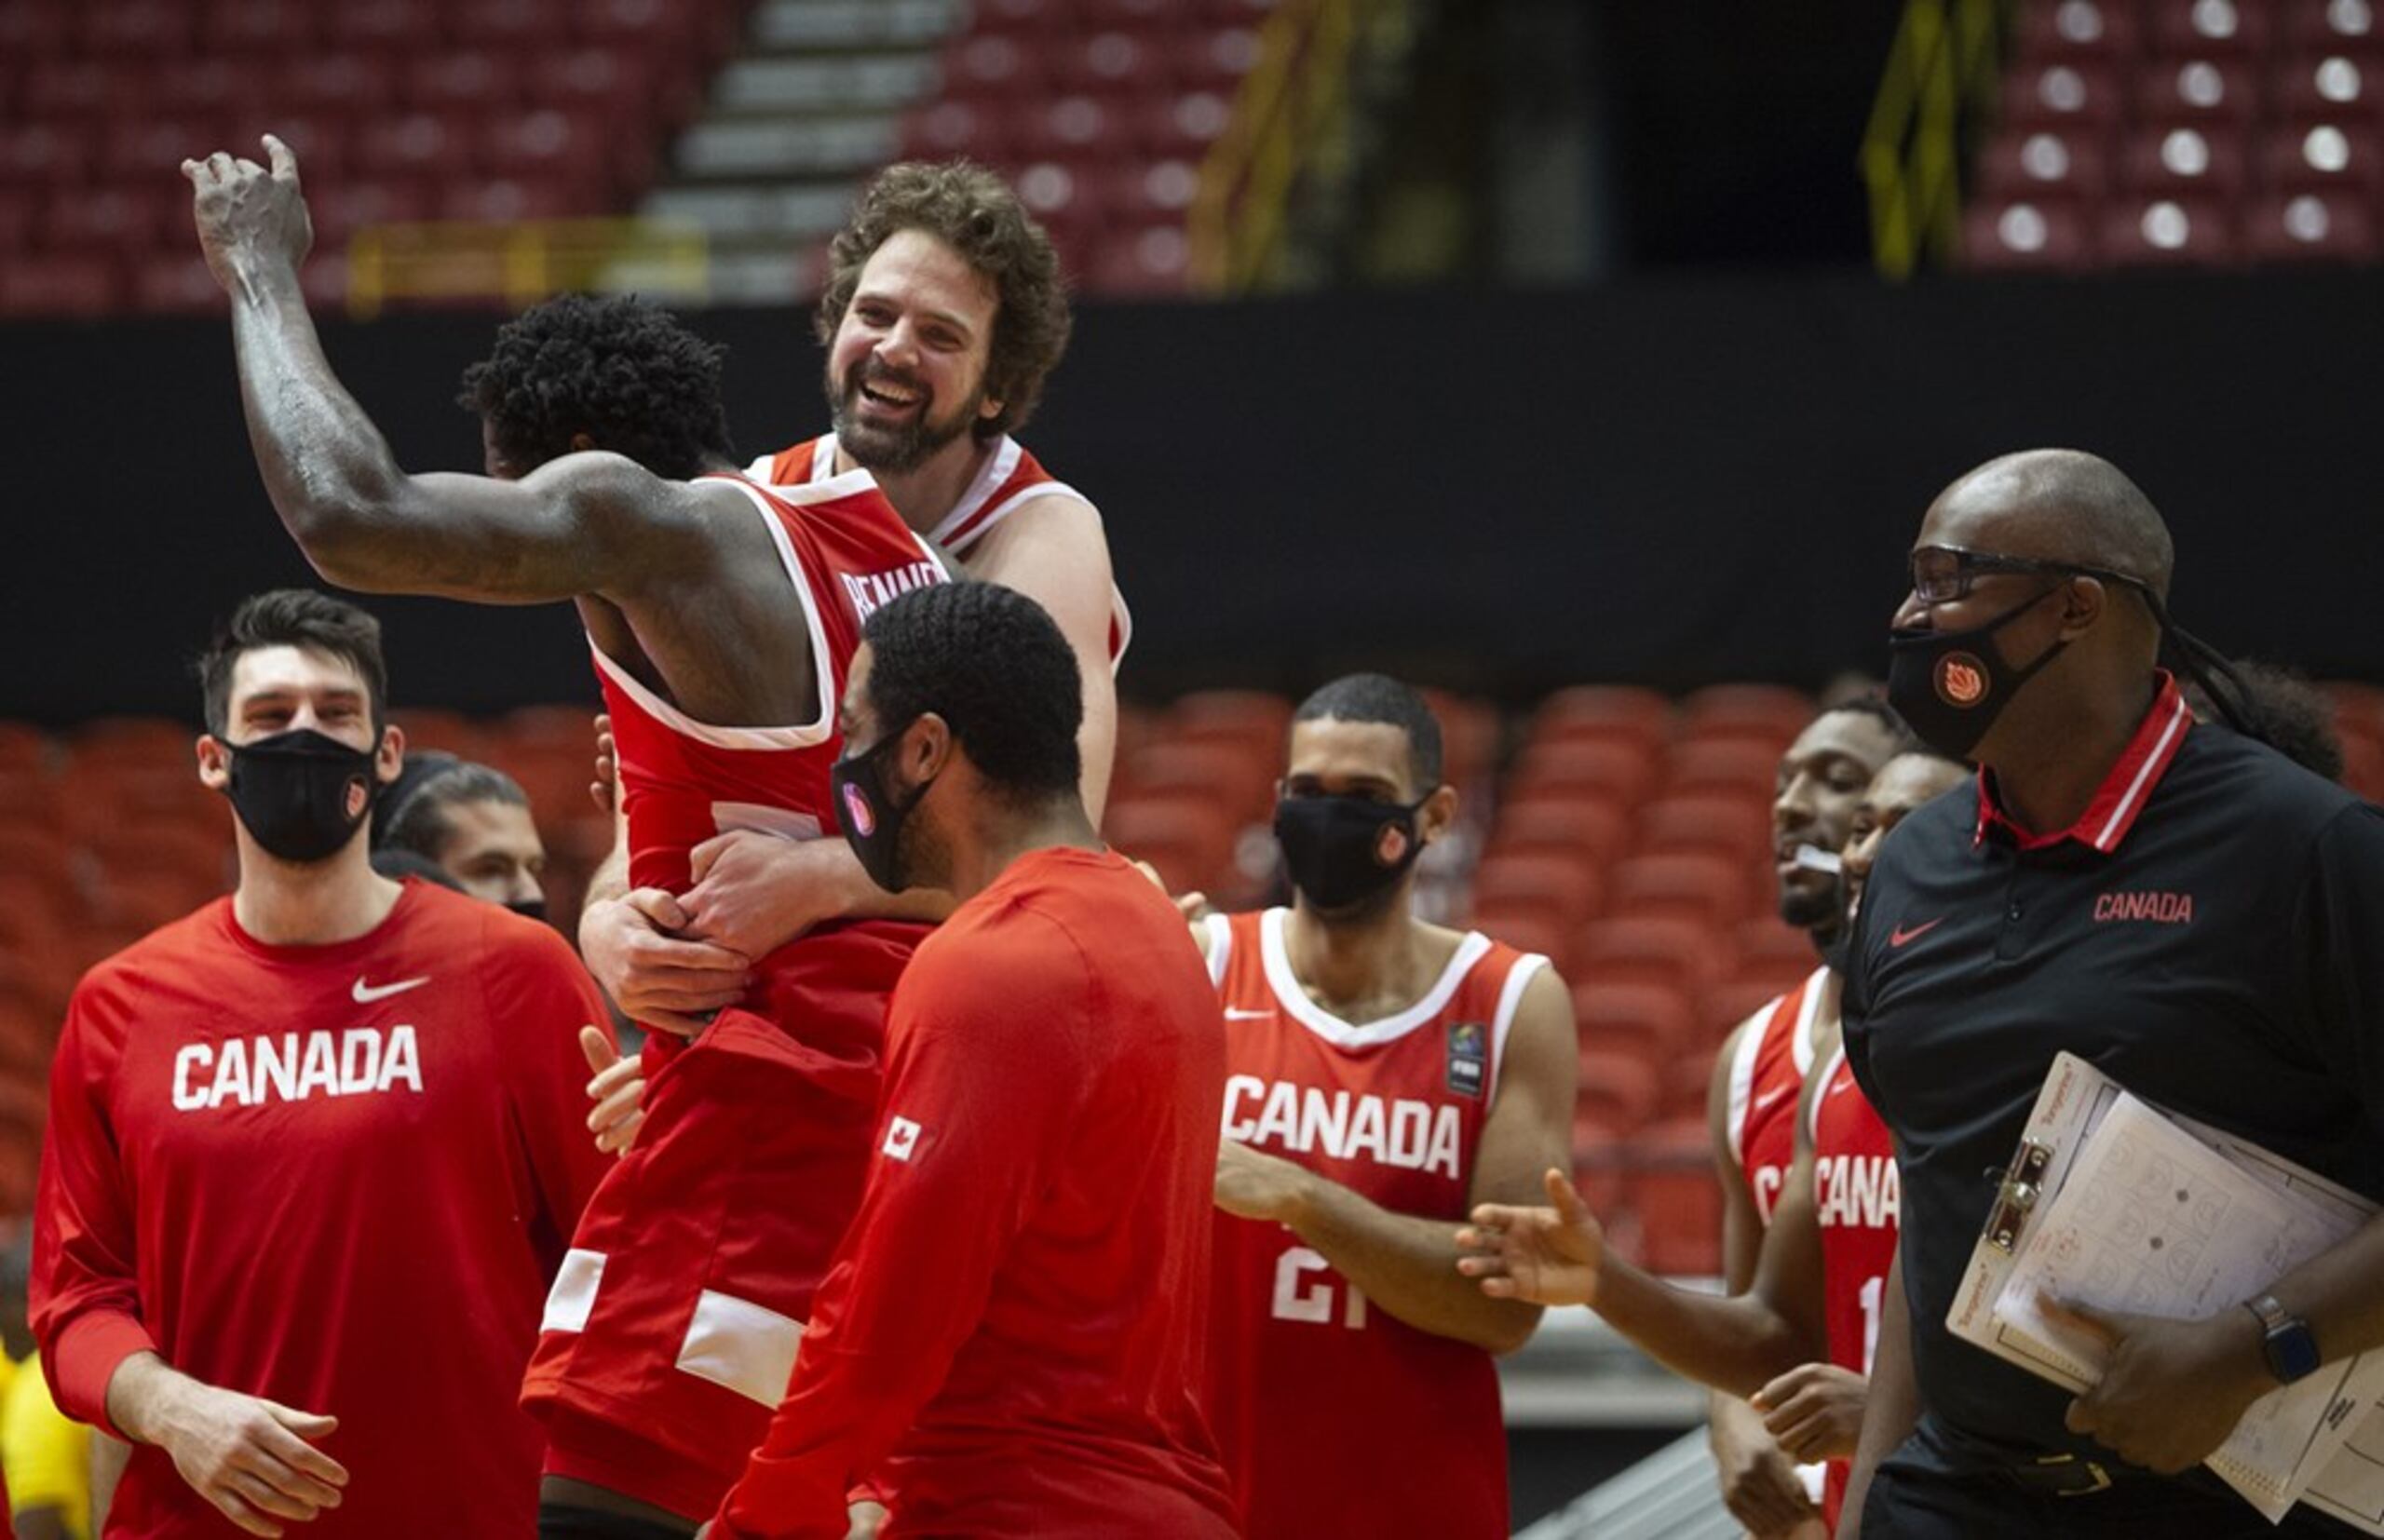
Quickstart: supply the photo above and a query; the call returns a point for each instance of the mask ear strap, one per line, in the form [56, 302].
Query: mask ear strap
[2208, 667]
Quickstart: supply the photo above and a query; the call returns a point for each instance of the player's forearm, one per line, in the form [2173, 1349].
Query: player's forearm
[1737, 1344]
[145, 1396]
[326, 467]
[1890, 1405]
[1731, 1425]
[1407, 1266]
[611, 878]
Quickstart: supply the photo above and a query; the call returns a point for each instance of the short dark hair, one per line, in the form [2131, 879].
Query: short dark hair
[993, 666]
[398, 865]
[620, 369]
[292, 618]
[1900, 737]
[417, 818]
[975, 212]
[1379, 698]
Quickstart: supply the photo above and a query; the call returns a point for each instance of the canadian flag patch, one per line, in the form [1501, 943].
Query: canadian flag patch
[901, 1138]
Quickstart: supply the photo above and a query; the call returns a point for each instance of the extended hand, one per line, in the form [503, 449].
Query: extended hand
[250, 1456]
[1548, 1256]
[1815, 1411]
[618, 1091]
[243, 210]
[1762, 1489]
[754, 892]
[657, 979]
[1253, 1185]
[2172, 1390]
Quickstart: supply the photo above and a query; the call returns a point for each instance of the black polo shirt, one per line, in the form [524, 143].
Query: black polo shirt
[2209, 934]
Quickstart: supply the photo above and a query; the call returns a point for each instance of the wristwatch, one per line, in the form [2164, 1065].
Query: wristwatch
[2286, 1342]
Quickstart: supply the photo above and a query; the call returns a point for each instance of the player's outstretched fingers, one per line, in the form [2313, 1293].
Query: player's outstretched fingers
[267, 1497]
[232, 1506]
[283, 159]
[600, 1051]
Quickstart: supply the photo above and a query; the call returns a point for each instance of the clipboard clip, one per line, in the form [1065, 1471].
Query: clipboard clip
[2017, 1194]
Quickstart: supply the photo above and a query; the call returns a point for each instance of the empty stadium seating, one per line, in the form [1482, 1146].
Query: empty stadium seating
[1628, 844]
[402, 109]
[2183, 133]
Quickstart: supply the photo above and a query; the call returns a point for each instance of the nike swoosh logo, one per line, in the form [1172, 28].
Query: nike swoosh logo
[1900, 936]
[1234, 1015]
[1841, 1087]
[1767, 1098]
[366, 994]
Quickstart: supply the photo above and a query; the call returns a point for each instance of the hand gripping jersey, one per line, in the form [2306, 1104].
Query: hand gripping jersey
[1859, 1200]
[1011, 477]
[1765, 1078]
[1335, 1417]
[671, 1327]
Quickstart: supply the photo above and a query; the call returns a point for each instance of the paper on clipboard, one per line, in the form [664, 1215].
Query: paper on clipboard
[2170, 1217]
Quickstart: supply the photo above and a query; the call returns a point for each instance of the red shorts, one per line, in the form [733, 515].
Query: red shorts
[671, 1327]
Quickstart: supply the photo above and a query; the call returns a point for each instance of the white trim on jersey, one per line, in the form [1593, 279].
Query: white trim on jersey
[1801, 1050]
[1813, 1112]
[1219, 930]
[998, 467]
[1742, 1078]
[759, 739]
[1344, 1034]
[1511, 997]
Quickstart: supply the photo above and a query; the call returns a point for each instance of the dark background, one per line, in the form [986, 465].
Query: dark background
[1667, 480]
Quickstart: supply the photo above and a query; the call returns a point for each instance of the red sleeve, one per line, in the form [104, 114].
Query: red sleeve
[84, 1297]
[979, 1079]
[540, 996]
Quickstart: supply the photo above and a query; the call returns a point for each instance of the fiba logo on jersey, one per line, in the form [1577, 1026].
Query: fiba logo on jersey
[857, 808]
[1468, 1058]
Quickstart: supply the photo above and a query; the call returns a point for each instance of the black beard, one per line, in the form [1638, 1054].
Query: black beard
[1813, 911]
[892, 451]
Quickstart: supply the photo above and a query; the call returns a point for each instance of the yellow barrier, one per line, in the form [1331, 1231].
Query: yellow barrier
[526, 262]
[1292, 95]
[1940, 76]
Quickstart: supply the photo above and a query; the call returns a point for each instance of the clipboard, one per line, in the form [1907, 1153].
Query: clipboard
[2077, 1098]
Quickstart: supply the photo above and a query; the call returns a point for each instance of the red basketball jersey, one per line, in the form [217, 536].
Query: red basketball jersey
[681, 781]
[1858, 1196]
[1765, 1077]
[1010, 476]
[1334, 1416]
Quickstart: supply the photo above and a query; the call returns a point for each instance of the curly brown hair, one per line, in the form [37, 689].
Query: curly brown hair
[973, 212]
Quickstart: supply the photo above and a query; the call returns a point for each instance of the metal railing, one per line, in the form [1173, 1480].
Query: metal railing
[1296, 93]
[521, 263]
[1940, 76]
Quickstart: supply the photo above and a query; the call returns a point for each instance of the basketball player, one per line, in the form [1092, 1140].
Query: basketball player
[1014, 1324]
[313, 1151]
[474, 821]
[1761, 1070]
[1799, 1340]
[721, 619]
[942, 317]
[1383, 1076]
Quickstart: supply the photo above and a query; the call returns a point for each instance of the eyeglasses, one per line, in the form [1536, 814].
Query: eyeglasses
[1942, 573]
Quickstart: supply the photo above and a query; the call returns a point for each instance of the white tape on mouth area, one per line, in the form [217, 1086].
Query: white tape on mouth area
[1812, 858]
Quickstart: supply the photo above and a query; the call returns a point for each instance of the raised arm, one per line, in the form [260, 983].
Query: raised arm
[584, 524]
[1404, 1263]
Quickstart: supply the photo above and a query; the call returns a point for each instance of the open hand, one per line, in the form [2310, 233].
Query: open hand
[2172, 1390]
[252, 1458]
[1547, 1256]
[618, 1091]
[246, 212]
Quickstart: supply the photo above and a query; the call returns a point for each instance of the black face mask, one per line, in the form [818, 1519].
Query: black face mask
[1347, 854]
[302, 794]
[871, 818]
[1951, 685]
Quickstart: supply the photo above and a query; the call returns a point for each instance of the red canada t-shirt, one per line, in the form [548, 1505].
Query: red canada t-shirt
[338, 1176]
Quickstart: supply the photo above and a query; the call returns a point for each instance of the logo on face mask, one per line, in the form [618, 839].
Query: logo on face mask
[1961, 680]
[1391, 849]
[857, 808]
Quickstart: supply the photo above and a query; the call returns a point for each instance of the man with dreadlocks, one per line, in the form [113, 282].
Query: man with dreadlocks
[2182, 905]
[722, 618]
